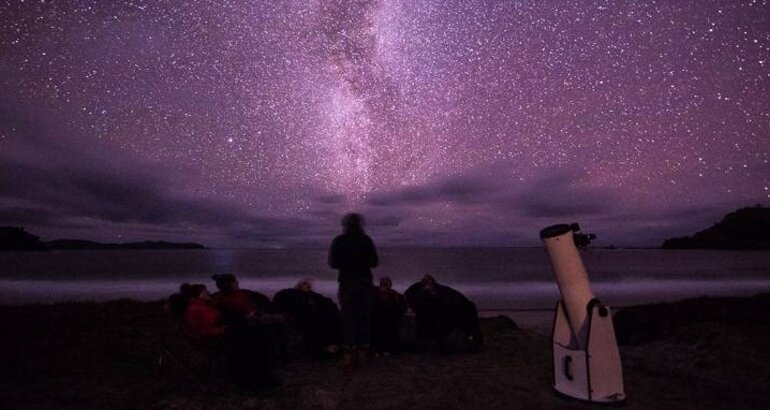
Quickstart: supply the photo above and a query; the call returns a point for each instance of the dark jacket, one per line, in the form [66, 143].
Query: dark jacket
[441, 309]
[353, 254]
[315, 315]
[388, 308]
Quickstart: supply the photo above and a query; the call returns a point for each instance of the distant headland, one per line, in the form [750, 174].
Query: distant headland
[13, 238]
[747, 228]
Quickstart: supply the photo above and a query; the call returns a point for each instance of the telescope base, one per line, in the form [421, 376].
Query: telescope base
[590, 371]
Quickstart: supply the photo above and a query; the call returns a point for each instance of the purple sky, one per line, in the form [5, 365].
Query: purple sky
[469, 123]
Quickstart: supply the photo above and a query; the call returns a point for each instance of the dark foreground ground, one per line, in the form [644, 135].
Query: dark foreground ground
[697, 354]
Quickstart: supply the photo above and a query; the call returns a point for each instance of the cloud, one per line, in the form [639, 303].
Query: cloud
[559, 193]
[55, 182]
[471, 209]
[481, 208]
[79, 185]
[60, 185]
[332, 199]
[463, 189]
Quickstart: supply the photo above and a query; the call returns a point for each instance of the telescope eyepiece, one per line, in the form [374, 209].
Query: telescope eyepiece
[555, 230]
[582, 240]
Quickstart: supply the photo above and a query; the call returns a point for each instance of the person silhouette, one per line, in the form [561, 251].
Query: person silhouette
[235, 302]
[354, 255]
[440, 310]
[314, 315]
[388, 310]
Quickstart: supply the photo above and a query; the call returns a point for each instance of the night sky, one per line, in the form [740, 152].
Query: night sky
[470, 123]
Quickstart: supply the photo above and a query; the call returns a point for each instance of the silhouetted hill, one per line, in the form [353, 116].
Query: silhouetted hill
[746, 228]
[14, 238]
[79, 244]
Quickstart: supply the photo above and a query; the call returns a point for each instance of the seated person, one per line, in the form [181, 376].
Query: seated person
[236, 302]
[255, 309]
[316, 316]
[175, 306]
[440, 310]
[247, 351]
[202, 320]
[388, 308]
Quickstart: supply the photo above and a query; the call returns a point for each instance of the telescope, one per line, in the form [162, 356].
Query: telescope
[586, 359]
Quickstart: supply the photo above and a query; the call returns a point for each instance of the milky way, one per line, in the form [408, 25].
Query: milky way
[446, 122]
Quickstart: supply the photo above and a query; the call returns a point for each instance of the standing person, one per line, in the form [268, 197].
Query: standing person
[353, 254]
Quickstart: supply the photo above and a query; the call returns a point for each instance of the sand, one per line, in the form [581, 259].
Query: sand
[709, 354]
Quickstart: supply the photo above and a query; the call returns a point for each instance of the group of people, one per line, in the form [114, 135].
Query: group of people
[242, 324]
[439, 309]
[252, 330]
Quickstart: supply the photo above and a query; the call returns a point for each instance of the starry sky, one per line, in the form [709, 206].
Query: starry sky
[445, 122]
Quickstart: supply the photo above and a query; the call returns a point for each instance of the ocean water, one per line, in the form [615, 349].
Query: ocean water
[494, 278]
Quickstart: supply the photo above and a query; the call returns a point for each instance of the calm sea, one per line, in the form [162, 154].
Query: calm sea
[494, 278]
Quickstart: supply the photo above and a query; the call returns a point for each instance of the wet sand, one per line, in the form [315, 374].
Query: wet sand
[707, 354]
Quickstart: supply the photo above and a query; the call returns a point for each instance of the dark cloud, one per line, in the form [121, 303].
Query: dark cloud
[392, 220]
[463, 189]
[39, 216]
[52, 182]
[512, 214]
[85, 186]
[555, 192]
[71, 186]
[332, 199]
[558, 193]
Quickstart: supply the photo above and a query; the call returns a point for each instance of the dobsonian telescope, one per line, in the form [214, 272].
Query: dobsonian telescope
[586, 359]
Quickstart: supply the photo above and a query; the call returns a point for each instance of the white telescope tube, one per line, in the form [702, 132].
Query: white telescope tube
[571, 276]
[586, 358]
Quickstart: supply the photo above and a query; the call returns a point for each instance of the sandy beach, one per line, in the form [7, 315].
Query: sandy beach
[702, 353]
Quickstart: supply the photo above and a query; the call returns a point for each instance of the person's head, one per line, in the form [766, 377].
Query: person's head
[386, 283]
[194, 291]
[428, 281]
[352, 223]
[305, 285]
[226, 282]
